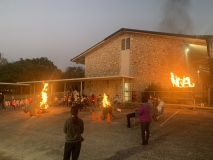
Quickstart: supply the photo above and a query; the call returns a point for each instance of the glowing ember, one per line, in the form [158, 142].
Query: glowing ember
[181, 83]
[106, 103]
[43, 103]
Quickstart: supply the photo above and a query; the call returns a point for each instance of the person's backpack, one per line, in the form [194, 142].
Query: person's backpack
[76, 132]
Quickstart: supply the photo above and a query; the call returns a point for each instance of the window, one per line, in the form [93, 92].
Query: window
[128, 43]
[127, 92]
[123, 44]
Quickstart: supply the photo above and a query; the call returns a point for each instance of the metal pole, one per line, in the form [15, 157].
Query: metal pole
[65, 88]
[194, 103]
[81, 89]
[123, 89]
[209, 95]
[51, 89]
[30, 89]
[34, 88]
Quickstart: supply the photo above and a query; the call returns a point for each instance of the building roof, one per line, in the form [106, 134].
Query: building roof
[81, 79]
[81, 57]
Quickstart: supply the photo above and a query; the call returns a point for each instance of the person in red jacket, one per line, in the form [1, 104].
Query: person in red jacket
[14, 104]
[144, 119]
[134, 96]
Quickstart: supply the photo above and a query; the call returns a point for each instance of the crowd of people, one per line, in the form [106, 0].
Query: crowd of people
[14, 103]
[80, 101]
[28, 105]
[94, 103]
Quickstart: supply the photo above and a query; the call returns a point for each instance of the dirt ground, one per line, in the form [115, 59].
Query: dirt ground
[184, 134]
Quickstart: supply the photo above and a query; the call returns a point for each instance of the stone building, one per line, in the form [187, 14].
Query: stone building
[130, 60]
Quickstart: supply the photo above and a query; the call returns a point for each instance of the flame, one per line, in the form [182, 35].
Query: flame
[181, 83]
[43, 103]
[106, 103]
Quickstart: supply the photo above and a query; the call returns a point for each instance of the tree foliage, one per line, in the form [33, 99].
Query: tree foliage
[73, 72]
[3, 61]
[35, 69]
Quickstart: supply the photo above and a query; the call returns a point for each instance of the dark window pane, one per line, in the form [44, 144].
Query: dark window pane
[123, 44]
[128, 43]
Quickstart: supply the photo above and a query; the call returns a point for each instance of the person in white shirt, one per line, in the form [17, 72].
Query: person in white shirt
[159, 109]
[160, 106]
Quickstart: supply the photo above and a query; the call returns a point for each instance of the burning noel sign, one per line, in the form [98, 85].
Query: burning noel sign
[184, 82]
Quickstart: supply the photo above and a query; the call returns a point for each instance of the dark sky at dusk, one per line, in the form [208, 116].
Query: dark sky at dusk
[62, 29]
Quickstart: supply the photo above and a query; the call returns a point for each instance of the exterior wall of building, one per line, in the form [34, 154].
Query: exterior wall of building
[105, 61]
[111, 88]
[153, 58]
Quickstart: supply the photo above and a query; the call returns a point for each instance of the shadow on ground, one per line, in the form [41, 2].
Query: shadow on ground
[123, 154]
[3, 157]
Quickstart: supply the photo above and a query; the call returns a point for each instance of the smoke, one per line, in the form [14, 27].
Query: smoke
[176, 18]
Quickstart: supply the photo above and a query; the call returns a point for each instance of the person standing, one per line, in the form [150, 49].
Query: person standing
[134, 96]
[26, 102]
[93, 103]
[99, 102]
[152, 103]
[144, 119]
[75, 95]
[64, 102]
[73, 128]
[2, 100]
[159, 109]
[31, 107]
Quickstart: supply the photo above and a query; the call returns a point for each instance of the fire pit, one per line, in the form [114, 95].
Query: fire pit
[107, 110]
[44, 108]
